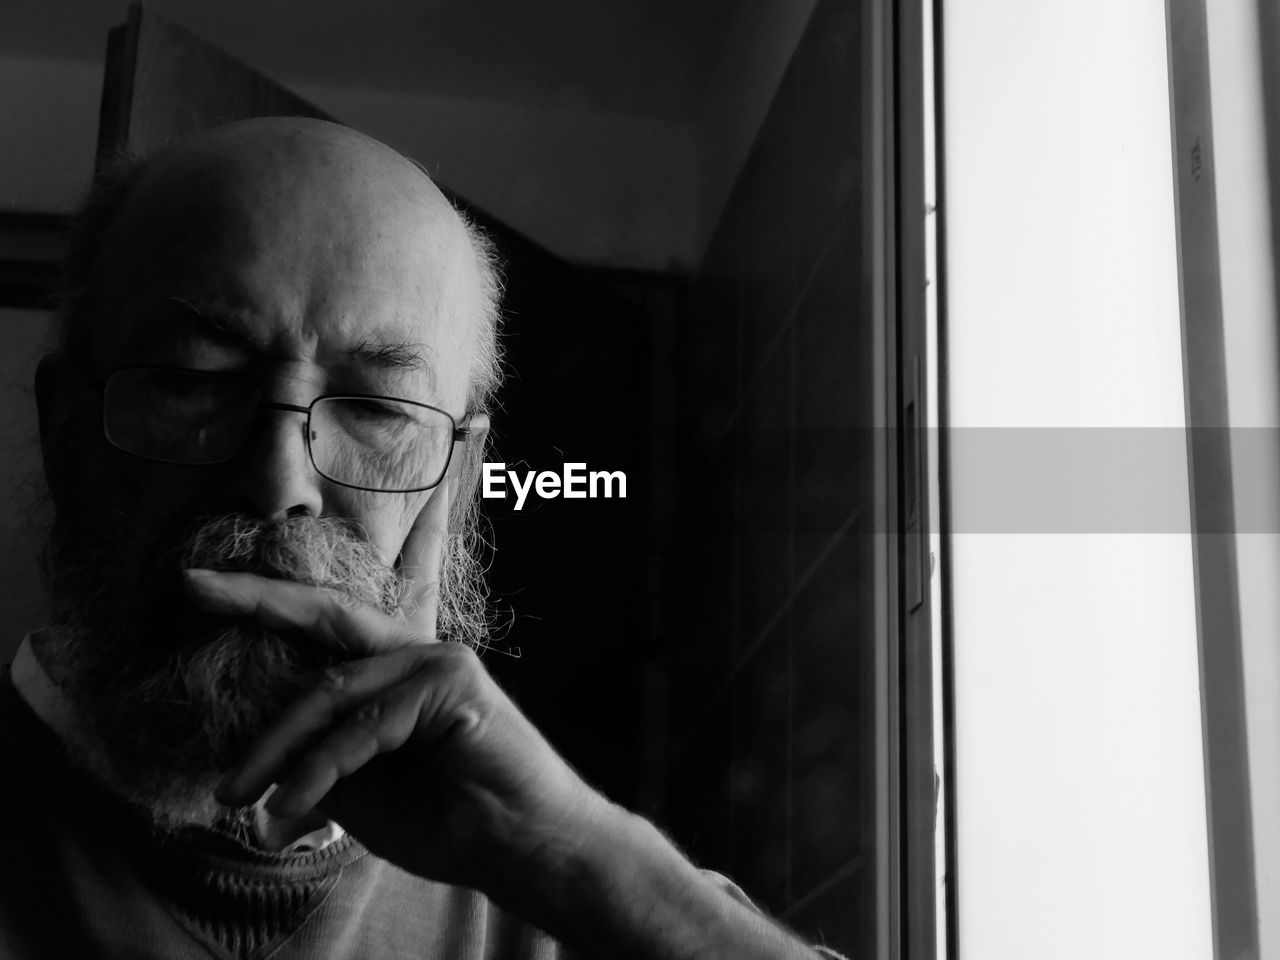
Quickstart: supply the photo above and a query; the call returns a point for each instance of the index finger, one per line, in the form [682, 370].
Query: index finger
[333, 619]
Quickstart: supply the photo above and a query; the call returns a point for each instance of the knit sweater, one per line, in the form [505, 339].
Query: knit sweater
[84, 874]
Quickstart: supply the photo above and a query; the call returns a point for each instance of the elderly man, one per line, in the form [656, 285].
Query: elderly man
[239, 736]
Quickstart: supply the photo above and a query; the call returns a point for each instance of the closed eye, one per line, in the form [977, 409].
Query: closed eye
[372, 407]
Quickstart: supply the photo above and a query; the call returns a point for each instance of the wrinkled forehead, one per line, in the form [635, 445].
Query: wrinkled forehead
[313, 253]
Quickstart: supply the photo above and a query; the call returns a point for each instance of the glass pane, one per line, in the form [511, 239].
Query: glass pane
[380, 444]
[177, 415]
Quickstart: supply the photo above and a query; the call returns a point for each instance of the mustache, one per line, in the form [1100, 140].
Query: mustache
[326, 552]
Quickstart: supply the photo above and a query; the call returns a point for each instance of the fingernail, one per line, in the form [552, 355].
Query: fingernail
[208, 585]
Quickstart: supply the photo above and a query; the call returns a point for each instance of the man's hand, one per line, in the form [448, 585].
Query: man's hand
[411, 746]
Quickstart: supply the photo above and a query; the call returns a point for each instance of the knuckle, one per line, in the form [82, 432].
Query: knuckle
[459, 656]
[458, 665]
[335, 679]
[369, 716]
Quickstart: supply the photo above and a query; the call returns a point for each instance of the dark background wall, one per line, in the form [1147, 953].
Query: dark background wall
[767, 652]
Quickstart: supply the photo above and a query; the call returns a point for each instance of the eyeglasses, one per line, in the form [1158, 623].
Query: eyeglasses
[194, 418]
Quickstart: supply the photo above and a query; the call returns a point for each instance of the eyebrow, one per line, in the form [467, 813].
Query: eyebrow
[219, 321]
[390, 356]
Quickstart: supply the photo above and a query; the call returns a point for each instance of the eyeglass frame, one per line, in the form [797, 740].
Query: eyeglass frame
[457, 433]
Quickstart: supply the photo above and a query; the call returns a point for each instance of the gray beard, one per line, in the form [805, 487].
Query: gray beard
[169, 698]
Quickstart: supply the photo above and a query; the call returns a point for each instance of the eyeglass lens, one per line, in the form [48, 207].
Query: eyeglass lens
[379, 444]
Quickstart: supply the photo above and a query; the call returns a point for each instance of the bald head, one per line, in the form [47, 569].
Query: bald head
[328, 235]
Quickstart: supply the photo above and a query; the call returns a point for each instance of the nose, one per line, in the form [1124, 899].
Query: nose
[273, 477]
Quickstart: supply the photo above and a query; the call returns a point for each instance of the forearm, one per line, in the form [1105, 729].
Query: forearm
[625, 891]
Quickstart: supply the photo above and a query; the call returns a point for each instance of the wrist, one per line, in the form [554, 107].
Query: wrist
[614, 886]
[554, 883]
[619, 888]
